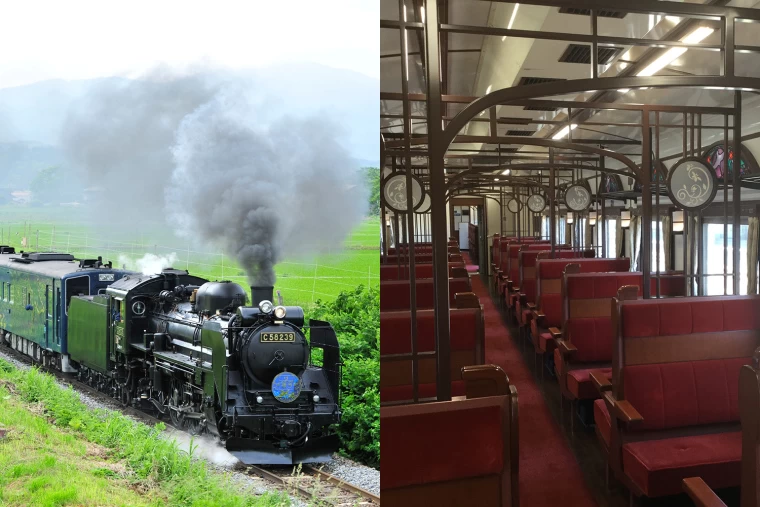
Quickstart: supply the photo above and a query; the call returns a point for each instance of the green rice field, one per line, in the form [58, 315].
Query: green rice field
[300, 281]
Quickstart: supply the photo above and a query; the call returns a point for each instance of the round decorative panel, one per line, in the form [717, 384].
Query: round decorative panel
[536, 203]
[286, 387]
[692, 184]
[514, 205]
[577, 197]
[395, 194]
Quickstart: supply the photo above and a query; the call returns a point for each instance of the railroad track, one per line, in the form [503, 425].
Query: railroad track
[309, 482]
[316, 485]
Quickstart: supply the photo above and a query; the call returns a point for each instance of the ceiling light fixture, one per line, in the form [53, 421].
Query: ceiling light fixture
[670, 55]
[506, 172]
[422, 13]
[564, 132]
[511, 20]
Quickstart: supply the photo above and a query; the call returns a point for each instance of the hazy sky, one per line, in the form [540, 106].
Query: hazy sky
[79, 39]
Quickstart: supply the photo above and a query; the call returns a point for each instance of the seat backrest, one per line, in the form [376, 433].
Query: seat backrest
[423, 270]
[549, 282]
[432, 461]
[467, 337]
[394, 294]
[677, 360]
[586, 308]
[527, 260]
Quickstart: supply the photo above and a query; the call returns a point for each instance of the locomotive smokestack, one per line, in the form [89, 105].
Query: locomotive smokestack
[259, 294]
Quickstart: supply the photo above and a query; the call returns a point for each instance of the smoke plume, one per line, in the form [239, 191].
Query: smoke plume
[149, 264]
[269, 188]
[217, 160]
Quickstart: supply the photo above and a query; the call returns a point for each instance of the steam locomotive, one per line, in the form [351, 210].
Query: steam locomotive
[181, 347]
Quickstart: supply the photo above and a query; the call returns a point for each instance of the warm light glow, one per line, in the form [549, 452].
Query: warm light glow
[496, 179]
[625, 219]
[488, 90]
[569, 217]
[592, 218]
[511, 20]
[564, 132]
[678, 221]
[670, 55]
[507, 172]
[422, 13]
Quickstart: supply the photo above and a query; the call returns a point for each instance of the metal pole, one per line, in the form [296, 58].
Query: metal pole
[646, 204]
[552, 213]
[409, 199]
[737, 194]
[438, 202]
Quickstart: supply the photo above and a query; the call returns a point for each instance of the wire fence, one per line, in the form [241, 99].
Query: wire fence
[355, 263]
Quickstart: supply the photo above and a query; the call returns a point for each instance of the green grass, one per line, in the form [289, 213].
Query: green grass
[300, 281]
[44, 464]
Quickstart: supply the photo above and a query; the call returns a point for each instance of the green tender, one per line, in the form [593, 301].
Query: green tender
[88, 332]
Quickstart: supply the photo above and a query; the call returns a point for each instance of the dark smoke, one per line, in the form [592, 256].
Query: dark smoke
[215, 159]
[263, 187]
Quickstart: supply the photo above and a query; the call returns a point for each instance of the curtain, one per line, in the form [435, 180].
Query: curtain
[619, 238]
[588, 235]
[569, 234]
[752, 244]
[635, 237]
[667, 237]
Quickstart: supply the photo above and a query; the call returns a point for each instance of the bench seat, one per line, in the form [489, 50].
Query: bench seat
[658, 466]
[579, 382]
[404, 392]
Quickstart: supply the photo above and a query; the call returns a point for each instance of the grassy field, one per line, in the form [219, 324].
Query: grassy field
[45, 466]
[300, 281]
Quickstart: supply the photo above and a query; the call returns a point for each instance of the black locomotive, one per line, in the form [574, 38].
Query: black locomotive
[191, 350]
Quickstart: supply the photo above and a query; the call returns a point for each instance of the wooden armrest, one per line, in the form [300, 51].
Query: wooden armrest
[484, 380]
[531, 306]
[623, 410]
[566, 348]
[466, 300]
[600, 380]
[701, 493]
[556, 333]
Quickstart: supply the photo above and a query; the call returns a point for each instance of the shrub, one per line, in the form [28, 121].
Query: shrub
[355, 316]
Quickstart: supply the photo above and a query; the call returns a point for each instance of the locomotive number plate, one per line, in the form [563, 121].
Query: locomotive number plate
[278, 337]
[105, 277]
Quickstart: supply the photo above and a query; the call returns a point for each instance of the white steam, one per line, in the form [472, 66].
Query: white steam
[149, 264]
[204, 447]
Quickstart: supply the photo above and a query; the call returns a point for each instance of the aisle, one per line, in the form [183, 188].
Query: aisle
[549, 474]
[468, 264]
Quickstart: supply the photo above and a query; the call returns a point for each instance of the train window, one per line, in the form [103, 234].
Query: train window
[28, 297]
[657, 246]
[713, 252]
[2, 295]
[76, 286]
[10, 293]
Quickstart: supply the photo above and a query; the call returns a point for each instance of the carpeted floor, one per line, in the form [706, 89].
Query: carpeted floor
[549, 473]
[468, 264]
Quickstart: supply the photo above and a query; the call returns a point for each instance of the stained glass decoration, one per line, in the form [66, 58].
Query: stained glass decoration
[721, 163]
[610, 183]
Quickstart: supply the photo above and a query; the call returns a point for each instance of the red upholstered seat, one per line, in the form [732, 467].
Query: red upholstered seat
[602, 420]
[395, 328]
[394, 294]
[544, 341]
[579, 383]
[404, 392]
[657, 466]
[473, 453]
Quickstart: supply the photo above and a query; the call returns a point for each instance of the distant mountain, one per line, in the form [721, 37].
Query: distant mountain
[31, 116]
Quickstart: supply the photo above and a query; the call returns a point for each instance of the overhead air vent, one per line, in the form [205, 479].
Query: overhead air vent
[580, 53]
[529, 80]
[509, 150]
[521, 133]
[602, 13]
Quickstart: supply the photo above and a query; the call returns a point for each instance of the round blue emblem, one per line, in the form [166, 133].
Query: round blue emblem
[286, 387]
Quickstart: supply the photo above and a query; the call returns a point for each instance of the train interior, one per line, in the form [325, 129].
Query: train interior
[570, 200]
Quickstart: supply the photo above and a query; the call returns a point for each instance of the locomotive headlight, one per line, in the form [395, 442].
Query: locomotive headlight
[259, 400]
[266, 307]
[280, 312]
[316, 398]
